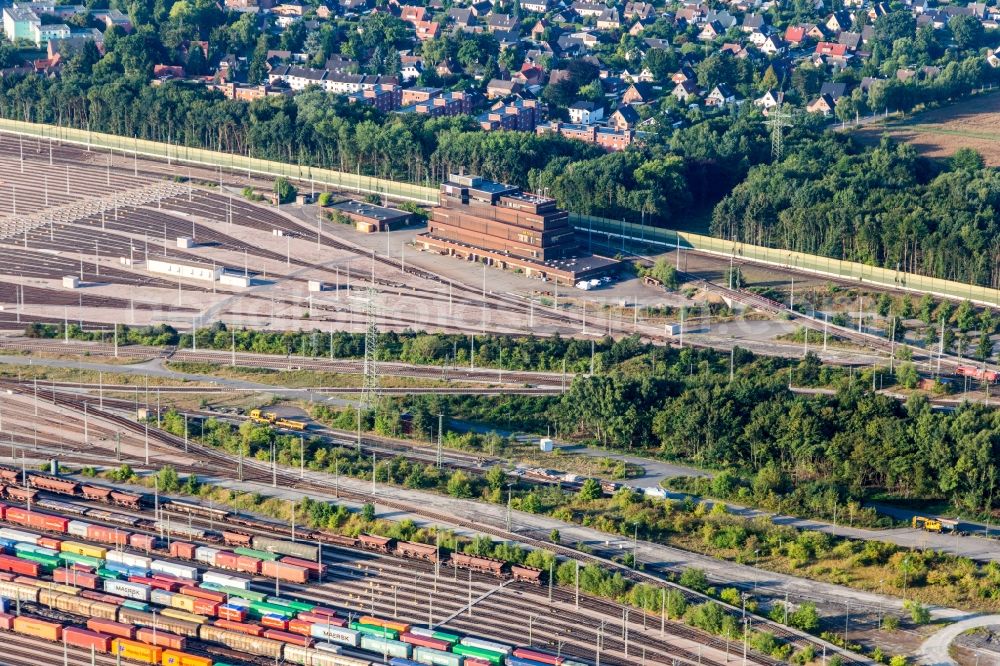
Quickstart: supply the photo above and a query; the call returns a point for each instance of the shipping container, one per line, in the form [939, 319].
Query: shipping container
[314, 618]
[225, 580]
[317, 657]
[183, 550]
[369, 630]
[160, 597]
[129, 649]
[82, 579]
[6, 622]
[256, 554]
[20, 566]
[178, 658]
[135, 605]
[538, 656]
[183, 615]
[521, 661]
[47, 561]
[436, 657]
[104, 534]
[81, 560]
[178, 570]
[425, 641]
[111, 628]
[211, 595]
[372, 621]
[183, 602]
[100, 596]
[77, 528]
[143, 542]
[451, 639]
[386, 646]
[205, 607]
[315, 568]
[495, 658]
[173, 580]
[237, 592]
[232, 612]
[225, 559]
[29, 626]
[124, 570]
[82, 638]
[78, 548]
[36, 519]
[270, 621]
[206, 555]
[163, 639]
[492, 646]
[399, 661]
[285, 572]
[77, 605]
[49, 542]
[108, 574]
[155, 583]
[288, 637]
[123, 588]
[19, 535]
[129, 560]
[280, 546]
[335, 634]
[161, 621]
[240, 627]
[255, 645]
[259, 609]
[297, 606]
[247, 564]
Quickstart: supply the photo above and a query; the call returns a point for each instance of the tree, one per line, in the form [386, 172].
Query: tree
[907, 375]
[919, 614]
[590, 490]
[967, 159]
[805, 618]
[496, 477]
[459, 485]
[984, 348]
[895, 25]
[694, 578]
[368, 512]
[196, 61]
[284, 190]
[554, 536]
[967, 31]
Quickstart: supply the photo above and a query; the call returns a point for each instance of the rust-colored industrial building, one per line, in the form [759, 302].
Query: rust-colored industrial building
[480, 219]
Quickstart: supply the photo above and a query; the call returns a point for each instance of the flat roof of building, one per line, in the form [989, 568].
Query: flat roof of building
[371, 211]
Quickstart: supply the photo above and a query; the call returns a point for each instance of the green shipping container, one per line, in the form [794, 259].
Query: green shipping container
[136, 605]
[488, 655]
[86, 560]
[385, 646]
[371, 630]
[295, 605]
[446, 637]
[258, 609]
[109, 574]
[45, 560]
[259, 554]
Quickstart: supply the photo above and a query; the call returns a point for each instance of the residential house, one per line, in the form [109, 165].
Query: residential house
[383, 97]
[831, 49]
[773, 45]
[768, 101]
[536, 6]
[795, 34]
[586, 112]
[834, 90]
[753, 23]
[639, 10]
[412, 14]
[637, 28]
[538, 30]
[585, 9]
[839, 22]
[721, 95]
[624, 118]
[685, 73]
[461, 16]
[606, 137]
[686, 89]
[852, 40]
[411, 67]
[518, 114]
[711, 31]
[500, 22]
[498, 88]
[639, 93]
[426, 30]
[608, 20]
[723, 18]
[994, 57]
[823, 104]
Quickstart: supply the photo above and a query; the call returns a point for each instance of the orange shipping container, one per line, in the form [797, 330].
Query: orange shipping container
[174, 658]
[148, 654]
[230, 613]
[247, 564]
[29, 626]
[182, 550]
[211, 595]
[49, 542]
[142, 542]
[6, 621]
[286, 637]
[286, 572]
[300, 627]
[109, 627]
[249, 629]
[205, 607]
[87, 639]
[163, 639]
[274, 622]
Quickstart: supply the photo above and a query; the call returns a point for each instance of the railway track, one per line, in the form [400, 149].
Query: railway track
[224, 465]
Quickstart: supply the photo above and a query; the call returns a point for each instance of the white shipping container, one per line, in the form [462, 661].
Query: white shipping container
[128, 559]
[77, 528]
[325, 647]
[341, 635]
[226, 580]
[487, 645]
[122, 588]
[160, 597]
[206, 555]
[179, 570]
[18, 535]
[432, 657]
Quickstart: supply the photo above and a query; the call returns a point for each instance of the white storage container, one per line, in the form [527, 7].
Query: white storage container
[128, 559]
[160, 597]
[18, 535]
[487, 645]
[225, 580]
[341, 635]
[121, 588]
[77, 528]
[179, 570]
[206, 555]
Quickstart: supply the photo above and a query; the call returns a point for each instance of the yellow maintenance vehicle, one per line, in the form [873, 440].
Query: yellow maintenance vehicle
[270, 418]
[939, 525]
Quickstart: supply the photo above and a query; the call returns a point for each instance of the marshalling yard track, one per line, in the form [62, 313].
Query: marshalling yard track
[208, 461]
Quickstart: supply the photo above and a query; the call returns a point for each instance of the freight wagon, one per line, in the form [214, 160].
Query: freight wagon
[281, 547]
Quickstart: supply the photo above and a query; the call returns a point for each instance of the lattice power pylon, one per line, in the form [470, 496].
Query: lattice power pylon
[778, 119]
[370, 388]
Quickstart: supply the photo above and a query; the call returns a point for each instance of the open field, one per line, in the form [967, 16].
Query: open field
[973, 123]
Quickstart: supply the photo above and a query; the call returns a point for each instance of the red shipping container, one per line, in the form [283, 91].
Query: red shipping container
[104, 534]
[75, 578]
[49, 542]
[470, 661]
[205, 607]
[300, 627]
[87, 639]
[250, 629]
[110, 627]
[6, 621]
[174, 580]
[234, 614]
[82, 567]
[211, 595]
[247, 564]
[425, 641]
[100, 596]
[160, 638]
[142, 542]
[226, 560]
[274, 622]
[42, 521]
[315, 567]
[182, 550]
[535, 655]
[325, 620]
[3, 510]
[154, 582]
[286, 572]
[19, 566]
[286, 637]
[6, 576]
[319, 610]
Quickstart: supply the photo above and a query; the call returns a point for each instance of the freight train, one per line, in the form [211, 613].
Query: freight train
[305, 552]
[989, 376]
